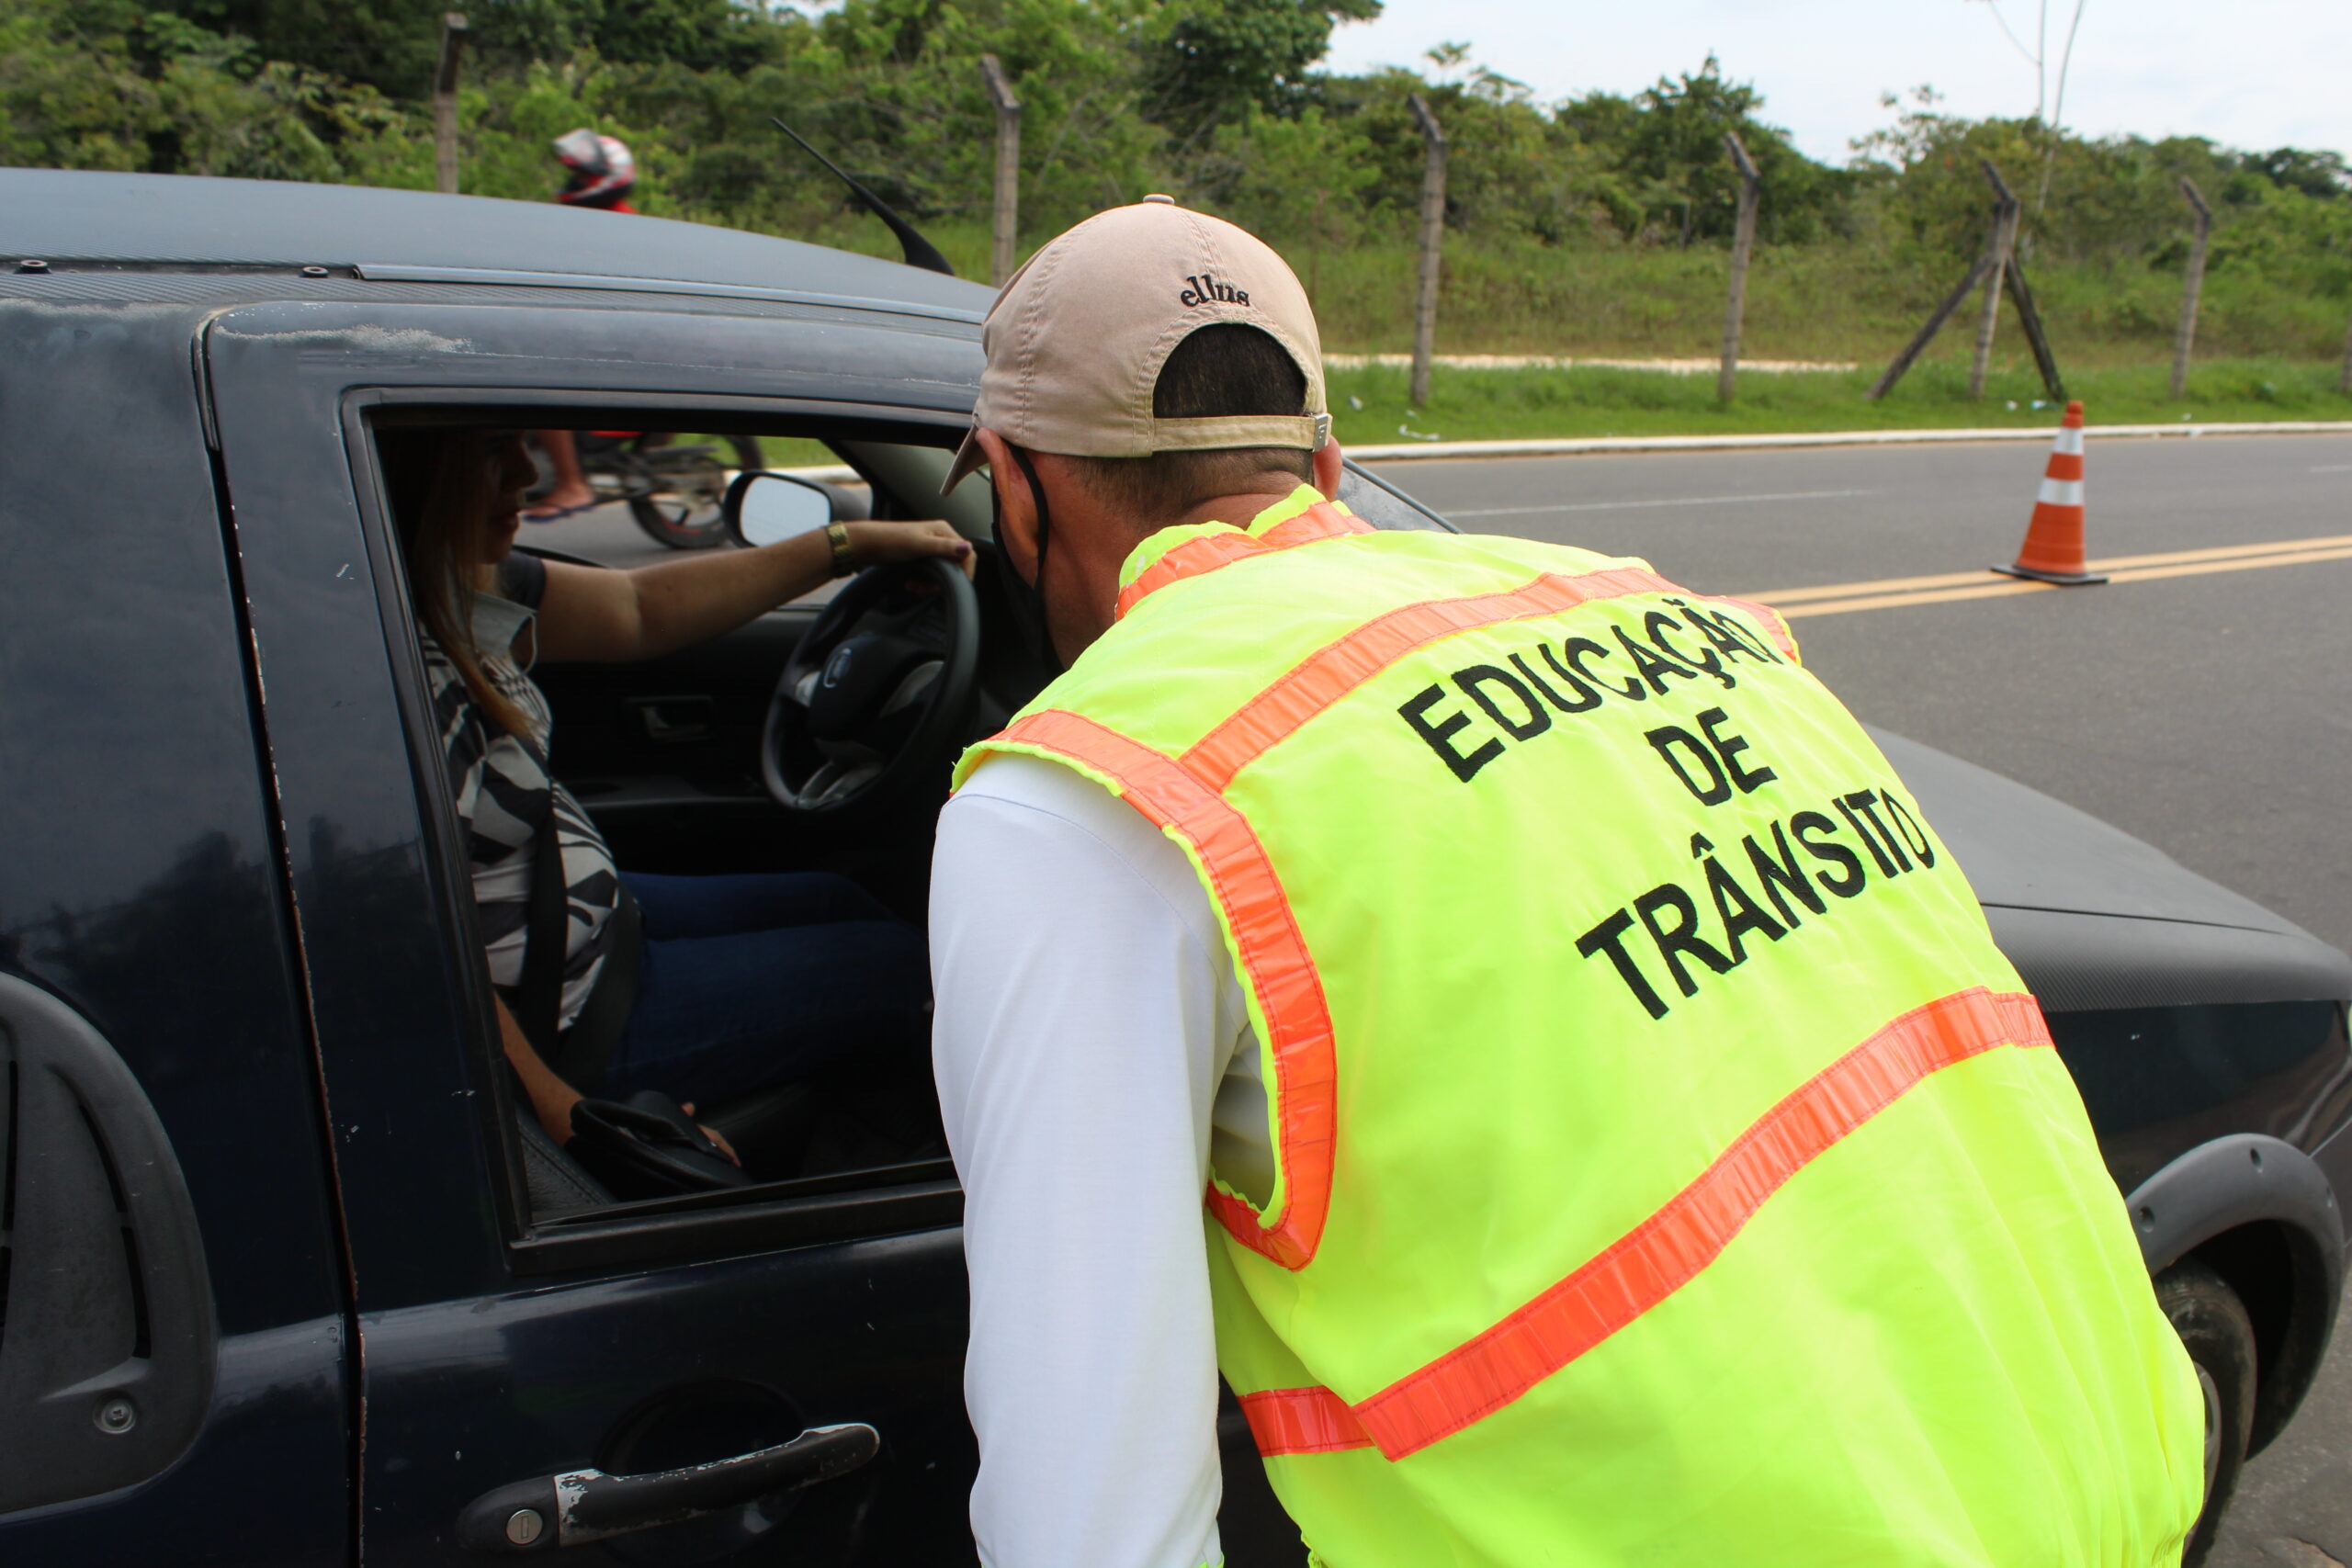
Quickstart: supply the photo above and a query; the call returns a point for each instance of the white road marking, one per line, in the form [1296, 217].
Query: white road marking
[1636, 505]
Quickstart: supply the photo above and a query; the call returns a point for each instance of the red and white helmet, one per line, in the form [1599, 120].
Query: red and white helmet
[602, 169]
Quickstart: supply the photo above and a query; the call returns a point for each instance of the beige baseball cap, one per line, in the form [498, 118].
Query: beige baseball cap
[1075, 338]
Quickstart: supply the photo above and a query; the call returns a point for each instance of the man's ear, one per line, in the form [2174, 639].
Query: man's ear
[1329, 469]
[1016, 509]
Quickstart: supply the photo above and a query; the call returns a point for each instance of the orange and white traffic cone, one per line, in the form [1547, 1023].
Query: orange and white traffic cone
[2052, 551]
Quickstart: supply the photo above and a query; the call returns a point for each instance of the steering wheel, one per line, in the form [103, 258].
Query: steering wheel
[879, 689]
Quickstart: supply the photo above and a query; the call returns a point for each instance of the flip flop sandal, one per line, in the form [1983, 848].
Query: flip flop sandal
[560, 512]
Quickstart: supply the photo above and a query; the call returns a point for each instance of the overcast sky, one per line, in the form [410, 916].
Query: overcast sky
[2250, 73]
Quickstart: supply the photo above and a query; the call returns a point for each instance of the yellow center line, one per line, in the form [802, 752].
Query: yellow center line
[1784, 596]
[1779, 598]
[2150, 574]
[2002, 590]
[2223, 552]
[1982, 590]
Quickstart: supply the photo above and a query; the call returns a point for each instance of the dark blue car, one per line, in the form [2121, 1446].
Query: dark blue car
[284, 1276]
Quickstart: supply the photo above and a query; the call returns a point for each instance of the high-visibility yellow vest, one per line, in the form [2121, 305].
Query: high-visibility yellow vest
[1668, 1167]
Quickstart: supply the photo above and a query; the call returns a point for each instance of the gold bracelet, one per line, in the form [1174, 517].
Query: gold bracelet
[837, 537]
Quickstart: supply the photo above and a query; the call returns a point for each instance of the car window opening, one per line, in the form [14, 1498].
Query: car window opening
[780, 983]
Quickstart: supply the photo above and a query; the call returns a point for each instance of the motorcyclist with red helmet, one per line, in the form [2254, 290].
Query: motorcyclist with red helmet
[603, 170]
[602, 173]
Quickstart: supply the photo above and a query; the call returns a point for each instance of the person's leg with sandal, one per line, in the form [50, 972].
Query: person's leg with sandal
[570, 494]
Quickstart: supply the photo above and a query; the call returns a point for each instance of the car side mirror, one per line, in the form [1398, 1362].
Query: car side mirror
[763, 508]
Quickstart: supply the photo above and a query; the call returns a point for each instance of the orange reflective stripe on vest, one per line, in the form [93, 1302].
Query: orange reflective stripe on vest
[1658, 1257]
[1302, 1421]
[1273, 957]
[1210, 551]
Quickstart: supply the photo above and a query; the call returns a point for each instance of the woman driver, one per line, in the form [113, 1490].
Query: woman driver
[743, 982]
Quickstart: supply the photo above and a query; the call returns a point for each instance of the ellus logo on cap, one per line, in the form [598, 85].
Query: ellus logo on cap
[1206, 288]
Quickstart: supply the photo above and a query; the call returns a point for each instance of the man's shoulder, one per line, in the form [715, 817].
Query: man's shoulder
[1017, 794]
[1041, 822]
[1016, 779]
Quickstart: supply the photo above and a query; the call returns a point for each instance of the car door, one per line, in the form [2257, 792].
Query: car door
[502, 1348]
[665, 753]
[174, 1344]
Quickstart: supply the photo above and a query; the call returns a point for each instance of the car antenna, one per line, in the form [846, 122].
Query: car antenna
[918, 251]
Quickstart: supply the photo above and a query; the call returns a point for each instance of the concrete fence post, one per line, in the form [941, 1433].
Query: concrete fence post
[2006, 212]
[1433, 238]
[1007, 231]
[445, 104]
[1743, 240]
[2192, 286]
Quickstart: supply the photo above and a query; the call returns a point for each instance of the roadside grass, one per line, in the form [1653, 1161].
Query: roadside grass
[1829, 301]
[2273, 351]
[1841, 299]
[1370, 407]
[797, 452]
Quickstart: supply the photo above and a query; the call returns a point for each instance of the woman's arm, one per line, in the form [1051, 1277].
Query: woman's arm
[615, 617]
[551, 1097]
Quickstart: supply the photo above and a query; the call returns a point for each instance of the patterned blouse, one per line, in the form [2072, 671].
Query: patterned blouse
[502, 793]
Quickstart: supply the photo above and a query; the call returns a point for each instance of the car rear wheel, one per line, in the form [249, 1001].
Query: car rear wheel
[2212, 1323]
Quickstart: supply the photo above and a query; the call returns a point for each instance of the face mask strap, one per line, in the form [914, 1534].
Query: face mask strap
[1029, 596]
[1044, 516]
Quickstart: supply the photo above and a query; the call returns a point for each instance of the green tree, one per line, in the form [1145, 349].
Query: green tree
[386, 44]
[1665, 149]
[1208, 62]
[392, 44]
[104, 85]
[1929, 204]
[2320, 175]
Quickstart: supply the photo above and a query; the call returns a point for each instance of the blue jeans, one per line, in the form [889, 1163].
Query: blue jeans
[752, 981]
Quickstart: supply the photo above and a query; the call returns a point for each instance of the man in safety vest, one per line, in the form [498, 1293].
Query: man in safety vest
[1621, 1140]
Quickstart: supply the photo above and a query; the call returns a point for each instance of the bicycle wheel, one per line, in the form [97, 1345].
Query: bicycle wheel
[689, 481]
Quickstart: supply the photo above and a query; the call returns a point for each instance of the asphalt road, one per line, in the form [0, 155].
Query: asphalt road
[2205, 712]
[2208, 714]
[603, 533]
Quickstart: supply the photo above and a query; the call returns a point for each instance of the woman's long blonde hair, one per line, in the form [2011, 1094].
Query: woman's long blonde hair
[443, 485]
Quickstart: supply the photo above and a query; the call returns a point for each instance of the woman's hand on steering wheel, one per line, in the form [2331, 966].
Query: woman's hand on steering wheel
[881, 543]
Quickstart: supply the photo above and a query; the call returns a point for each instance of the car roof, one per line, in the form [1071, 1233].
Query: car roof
[154, 221]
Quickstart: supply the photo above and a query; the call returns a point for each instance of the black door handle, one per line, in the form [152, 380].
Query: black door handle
[675, 721]
[107, 1381]
[588, 1505]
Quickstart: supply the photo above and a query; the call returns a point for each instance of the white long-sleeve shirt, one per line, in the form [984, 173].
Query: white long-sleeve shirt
[1092, 1050]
